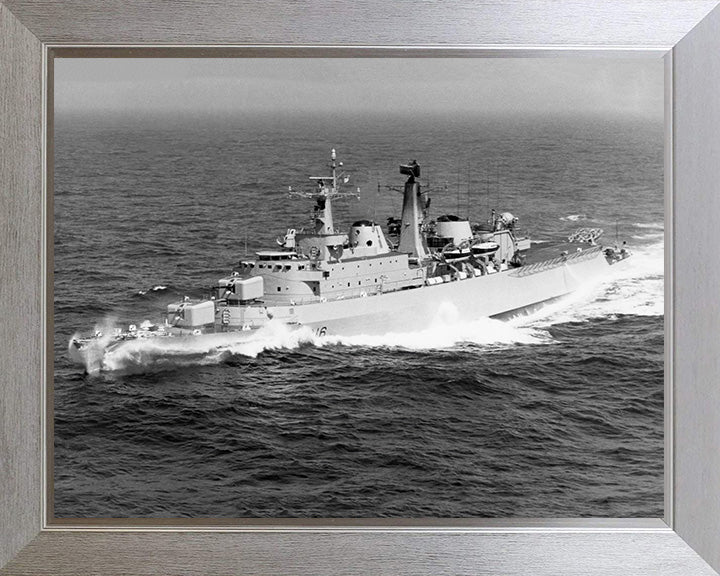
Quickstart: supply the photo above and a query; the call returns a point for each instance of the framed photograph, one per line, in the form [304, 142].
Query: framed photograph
[391, 340]
[231, 377]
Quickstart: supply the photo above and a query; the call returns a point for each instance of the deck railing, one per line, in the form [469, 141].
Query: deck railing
[538, 267]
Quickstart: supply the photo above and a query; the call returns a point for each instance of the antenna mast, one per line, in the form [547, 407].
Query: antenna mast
[327, 188]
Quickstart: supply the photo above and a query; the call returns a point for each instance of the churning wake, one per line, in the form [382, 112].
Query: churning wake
[444, 331]
[635, 289]
[447, 329]
[154, 353]
[574, 218]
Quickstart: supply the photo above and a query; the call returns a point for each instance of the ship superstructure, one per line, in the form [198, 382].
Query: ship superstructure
[361, 281]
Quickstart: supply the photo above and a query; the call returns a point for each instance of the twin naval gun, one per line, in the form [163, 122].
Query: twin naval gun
[364, 282]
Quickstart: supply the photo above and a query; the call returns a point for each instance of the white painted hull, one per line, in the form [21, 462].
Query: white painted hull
[473, 298]
[402, 311]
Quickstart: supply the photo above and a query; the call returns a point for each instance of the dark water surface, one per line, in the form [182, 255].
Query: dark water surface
[555, 414]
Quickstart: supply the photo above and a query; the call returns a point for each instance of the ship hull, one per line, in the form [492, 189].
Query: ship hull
[500, 294]
[492, 295]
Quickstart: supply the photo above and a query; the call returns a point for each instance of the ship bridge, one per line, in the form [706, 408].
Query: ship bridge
[276, 255]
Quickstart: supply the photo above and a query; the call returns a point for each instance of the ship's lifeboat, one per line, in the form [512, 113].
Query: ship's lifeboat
[485, 248]
[455, 253]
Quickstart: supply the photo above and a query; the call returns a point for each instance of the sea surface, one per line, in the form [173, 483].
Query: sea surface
[554, 414]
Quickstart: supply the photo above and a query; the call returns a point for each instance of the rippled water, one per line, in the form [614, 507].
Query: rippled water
[559, 413]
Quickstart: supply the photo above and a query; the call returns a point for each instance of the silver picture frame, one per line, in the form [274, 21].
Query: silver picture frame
[686, 33]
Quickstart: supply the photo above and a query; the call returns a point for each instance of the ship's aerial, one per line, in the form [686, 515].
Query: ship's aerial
[365, 280]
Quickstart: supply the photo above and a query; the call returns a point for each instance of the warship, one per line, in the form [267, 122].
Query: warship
[367, 281]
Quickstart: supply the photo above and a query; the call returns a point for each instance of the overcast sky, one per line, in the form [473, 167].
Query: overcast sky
[391, 85]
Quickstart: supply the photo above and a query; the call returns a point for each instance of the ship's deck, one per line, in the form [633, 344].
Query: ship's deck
[549, 250]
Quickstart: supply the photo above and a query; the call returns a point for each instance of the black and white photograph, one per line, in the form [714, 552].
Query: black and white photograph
[358, 288]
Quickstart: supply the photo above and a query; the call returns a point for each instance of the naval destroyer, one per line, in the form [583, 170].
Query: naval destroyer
[367, 281]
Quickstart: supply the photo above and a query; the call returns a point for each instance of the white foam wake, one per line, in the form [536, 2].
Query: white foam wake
[634, 287]
[650, 225]
[447, 329]
[206, 349]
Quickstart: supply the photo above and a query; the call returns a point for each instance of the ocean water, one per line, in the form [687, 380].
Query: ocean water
[554, 414]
